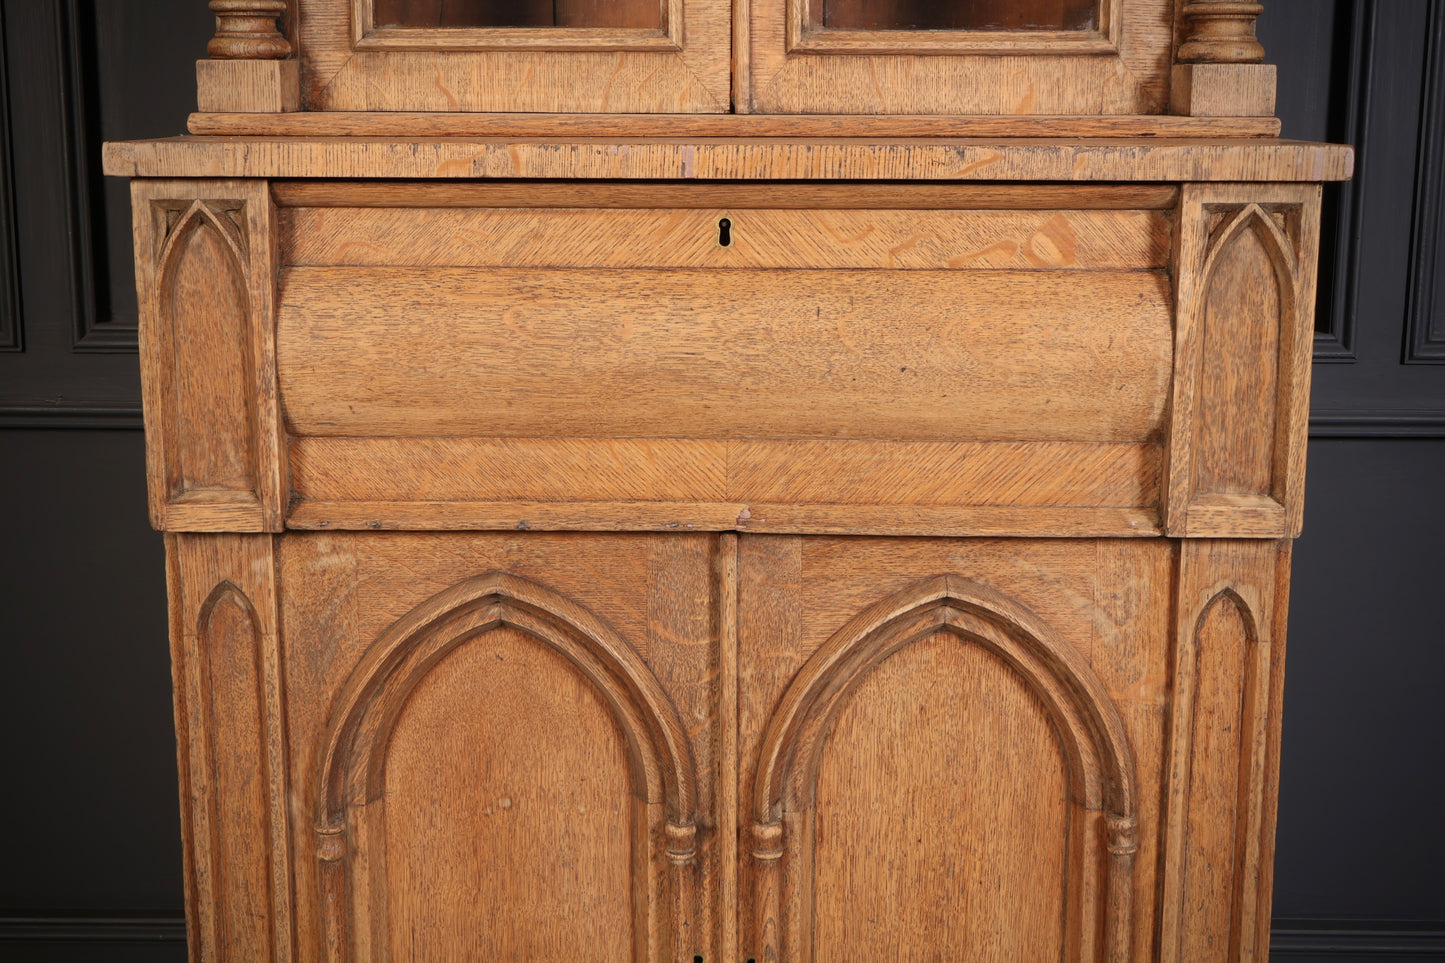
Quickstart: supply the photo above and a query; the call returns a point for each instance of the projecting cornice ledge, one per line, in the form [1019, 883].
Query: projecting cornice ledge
[734, 158]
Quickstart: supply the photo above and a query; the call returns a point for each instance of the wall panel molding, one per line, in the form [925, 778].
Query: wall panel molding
[1377, 423]
[1425, 308]
[1338, 305]
[95, 331]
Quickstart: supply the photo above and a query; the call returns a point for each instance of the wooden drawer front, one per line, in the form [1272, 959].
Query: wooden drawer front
[865, 357]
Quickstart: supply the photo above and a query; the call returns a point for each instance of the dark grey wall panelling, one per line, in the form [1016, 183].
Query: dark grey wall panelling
[78, 72]
[1425, 307]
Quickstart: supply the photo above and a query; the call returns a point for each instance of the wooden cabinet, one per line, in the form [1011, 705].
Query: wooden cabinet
[801, 539]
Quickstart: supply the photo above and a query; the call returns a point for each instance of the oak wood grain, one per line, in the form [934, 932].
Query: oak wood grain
[607, 67]
[334, 123]
[206, 276]
[662, 238]
[720, 355]
[725, 158]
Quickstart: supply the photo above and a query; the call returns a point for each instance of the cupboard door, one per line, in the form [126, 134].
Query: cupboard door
[1019, 57]
[951, 749]
[585, 56]
[504, 744]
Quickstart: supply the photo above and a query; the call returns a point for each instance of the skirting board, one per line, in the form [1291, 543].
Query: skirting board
[1294, 940]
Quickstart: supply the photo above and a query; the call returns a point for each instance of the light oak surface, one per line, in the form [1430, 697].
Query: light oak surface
[737, 159]
[604, 527]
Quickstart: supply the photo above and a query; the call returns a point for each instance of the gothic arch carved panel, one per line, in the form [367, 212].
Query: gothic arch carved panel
[1099, 765]
[351, 834]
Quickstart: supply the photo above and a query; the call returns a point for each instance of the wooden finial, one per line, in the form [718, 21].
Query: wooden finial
[1221, 32]
[246, 30]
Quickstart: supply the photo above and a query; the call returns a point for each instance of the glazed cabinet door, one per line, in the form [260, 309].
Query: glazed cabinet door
[1018, 57]
[485, 747]
[585, 56]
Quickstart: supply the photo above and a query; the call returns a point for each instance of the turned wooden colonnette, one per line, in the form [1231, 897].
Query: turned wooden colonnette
[737, 480]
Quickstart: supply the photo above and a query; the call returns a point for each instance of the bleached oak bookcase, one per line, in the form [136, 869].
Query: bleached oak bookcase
[728, 480]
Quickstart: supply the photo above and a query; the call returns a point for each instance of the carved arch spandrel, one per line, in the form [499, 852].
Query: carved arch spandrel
[1100, 761]
[353, 762]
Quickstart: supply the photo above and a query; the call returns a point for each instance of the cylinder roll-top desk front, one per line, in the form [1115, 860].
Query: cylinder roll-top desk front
[660, 481]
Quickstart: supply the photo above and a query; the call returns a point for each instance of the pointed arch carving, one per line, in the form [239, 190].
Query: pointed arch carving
[207, 369]
[1100, 762]
[1244, 283]
[1218, 768]
[1252, 217]
[353, 759]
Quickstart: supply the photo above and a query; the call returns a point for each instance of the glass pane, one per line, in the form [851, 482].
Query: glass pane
[519, 13]
[960, 14]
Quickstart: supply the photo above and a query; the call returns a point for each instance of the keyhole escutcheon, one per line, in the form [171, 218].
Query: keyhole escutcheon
[724, 232]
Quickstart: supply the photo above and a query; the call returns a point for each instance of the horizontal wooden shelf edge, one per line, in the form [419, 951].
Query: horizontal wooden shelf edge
[961, 521]
[326, 123]
[735, 158]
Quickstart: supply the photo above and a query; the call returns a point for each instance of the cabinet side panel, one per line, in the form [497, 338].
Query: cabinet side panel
[235, 746]
[1225, 715]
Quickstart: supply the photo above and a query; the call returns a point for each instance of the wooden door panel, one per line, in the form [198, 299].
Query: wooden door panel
[502, 745]
[508, 802]
[951, 747]
[944, 776]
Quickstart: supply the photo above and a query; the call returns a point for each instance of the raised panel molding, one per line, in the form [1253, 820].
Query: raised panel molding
[12, 334]
[231, 719]
[1338, 309]
[215, 451]
[1223, 764]
[1425, 308]
[1245, 296]
[350, 850]
[94, 331]
[1103, 836]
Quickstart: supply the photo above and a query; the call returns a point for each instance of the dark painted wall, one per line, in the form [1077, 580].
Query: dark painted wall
[90, 866]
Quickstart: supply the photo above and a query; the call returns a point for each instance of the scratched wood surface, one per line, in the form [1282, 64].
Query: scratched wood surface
[938, 709]
[795, 65]
[727, 157]
[625, 65]
[510, 781]
[693, 353]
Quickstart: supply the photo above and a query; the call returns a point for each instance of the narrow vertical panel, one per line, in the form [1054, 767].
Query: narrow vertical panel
[231, 722]
[1240, 371]
[230, 646]
[1244, 291]
[1224, 722]
[770, 629]
[205, 272]
[683, 652]
[1222, 646]
[729, 810]
[204, 309]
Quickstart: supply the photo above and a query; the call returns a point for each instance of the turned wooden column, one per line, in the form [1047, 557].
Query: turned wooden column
[246, 30]
[1218, 69]
[1221, 32]
[251, 69]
